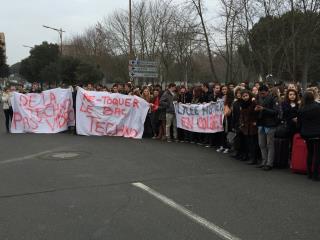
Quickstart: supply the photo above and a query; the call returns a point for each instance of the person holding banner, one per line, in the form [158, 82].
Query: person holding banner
[146, 95]
[206, 98]
[7, 107]
[216, 96]
[166, 101]
[184, 98]
[195, 137]
[228, 98]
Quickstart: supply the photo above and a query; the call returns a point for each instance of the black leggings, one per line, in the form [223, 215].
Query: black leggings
[313, 159]
[8, 114]
[251, 146]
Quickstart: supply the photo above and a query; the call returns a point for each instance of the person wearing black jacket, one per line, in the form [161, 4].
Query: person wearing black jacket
[290, 108]
[309, 122]
[268, 119]
[206, 97]
[238, 145]
[166, 101]
[248, 126]
[215, 96]
[184, 98]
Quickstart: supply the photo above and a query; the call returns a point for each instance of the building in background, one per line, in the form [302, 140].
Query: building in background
[3, 46]
[3, 42]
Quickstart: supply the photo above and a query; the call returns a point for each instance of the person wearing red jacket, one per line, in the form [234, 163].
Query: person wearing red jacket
[155, 114]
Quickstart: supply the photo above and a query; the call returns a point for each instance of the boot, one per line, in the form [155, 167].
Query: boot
[252, 162]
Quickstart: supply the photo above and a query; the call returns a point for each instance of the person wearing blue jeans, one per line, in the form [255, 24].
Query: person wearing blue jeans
[268, 119]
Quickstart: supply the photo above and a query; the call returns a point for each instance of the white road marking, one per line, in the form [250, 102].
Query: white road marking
[12, 160]
[196, 218]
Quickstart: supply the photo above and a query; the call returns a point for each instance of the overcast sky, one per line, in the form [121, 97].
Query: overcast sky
[22, 20]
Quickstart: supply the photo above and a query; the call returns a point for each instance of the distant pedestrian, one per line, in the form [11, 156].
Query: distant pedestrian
[7, 107]
[166, 101]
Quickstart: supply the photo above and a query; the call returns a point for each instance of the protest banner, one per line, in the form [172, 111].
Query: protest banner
[47, 112]
[110, 114]
[202, 118]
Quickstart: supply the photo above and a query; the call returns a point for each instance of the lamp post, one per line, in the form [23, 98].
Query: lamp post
[60, 31]
[26, 46]
[130, 31]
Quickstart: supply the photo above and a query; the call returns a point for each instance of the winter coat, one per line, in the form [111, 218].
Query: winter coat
[288, 114]
[206, 97]
[309, 121]
[269, 116]
[166, 101]
[185, 98]
[236, 115]
[248, 118]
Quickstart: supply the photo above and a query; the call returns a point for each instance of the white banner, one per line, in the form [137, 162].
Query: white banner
[110, 114]
[202, 118]
[47, 112]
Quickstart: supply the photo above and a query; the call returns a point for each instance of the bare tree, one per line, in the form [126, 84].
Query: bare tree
[198, 5]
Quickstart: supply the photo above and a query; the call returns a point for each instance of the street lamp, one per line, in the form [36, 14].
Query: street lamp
[26, 46]
[60, 31]
[130, 31]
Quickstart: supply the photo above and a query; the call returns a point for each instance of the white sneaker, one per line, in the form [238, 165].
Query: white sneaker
[220, 149]
[226, 151]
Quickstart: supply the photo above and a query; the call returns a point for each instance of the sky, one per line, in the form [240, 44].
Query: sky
[22, 20]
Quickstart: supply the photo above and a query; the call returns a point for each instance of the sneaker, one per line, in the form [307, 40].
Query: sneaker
[169, 140]
[176, 140]
[226, 151]
[208, 146]
[267, 168]
[220, 149]
[244, 159]
[192, 142]
[182, 141]
[252, 162]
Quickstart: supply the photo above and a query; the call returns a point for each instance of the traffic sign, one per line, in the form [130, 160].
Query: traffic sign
[143, 63]
[143, 69]
[143, 75]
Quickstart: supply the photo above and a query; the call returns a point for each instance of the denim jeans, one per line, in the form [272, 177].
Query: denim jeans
[266, 144]
[171, 121]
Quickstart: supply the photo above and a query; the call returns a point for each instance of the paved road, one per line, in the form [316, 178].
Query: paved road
[92, 197]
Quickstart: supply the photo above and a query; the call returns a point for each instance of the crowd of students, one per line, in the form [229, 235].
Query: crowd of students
[254, 117]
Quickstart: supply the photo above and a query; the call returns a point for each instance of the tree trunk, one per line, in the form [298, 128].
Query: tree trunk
[306, 66]
[199, 10]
